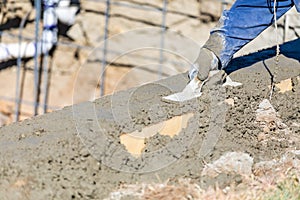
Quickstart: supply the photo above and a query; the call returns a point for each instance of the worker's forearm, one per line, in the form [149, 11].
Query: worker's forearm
[241, 24]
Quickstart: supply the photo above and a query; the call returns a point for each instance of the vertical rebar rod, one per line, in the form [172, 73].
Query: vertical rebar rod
[104, 62]
[18, 72]
[45, 60]
[162, 38]
[45, 72]
[18, 100]
[37, 5]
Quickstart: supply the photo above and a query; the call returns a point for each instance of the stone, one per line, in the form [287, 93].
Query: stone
[261, 137]
[230, 101]
[230, 163]
[265, 112]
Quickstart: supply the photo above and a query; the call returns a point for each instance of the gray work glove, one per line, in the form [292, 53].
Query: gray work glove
[206, 62]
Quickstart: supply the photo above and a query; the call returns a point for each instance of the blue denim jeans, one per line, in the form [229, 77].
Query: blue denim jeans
[242, 23]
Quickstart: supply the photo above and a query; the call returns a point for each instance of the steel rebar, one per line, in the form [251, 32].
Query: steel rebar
[162, 39]
[18, 72]
[104, 62]
[37, 5]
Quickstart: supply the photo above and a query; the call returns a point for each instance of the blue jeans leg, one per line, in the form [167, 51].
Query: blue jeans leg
[242, 23]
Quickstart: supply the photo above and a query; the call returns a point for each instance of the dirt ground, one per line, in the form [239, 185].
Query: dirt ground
[76, 153]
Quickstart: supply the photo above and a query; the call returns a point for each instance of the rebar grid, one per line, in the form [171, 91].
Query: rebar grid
[37, 83]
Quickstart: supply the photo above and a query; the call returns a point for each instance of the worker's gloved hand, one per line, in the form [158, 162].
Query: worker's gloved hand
[206, 62]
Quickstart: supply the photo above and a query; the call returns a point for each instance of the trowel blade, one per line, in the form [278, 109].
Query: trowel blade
[192, 90]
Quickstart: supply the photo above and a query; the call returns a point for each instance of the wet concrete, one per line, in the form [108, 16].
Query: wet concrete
[76, 153]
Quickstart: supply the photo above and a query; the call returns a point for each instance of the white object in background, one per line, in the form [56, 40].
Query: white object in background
[49, 36]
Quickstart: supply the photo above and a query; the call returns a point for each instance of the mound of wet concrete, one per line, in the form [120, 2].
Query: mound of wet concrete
[83, 152]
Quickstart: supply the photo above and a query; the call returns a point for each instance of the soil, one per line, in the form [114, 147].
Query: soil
[76, 153]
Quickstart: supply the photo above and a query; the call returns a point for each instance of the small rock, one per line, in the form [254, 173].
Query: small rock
[296, 125]
[265, 112]
[37, 133]
[22, 136]
[266, 129]
[261, 137]
[262, 167]
[296, 153]
[84, 152]
[280, 125]
[230, 163]
[268, 118]
[230, 101]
